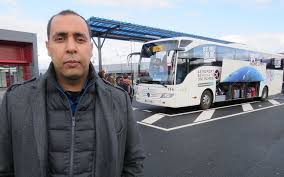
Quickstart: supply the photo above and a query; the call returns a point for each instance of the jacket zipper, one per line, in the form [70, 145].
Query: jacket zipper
[73, 129]
[73, 134]
[72, 146]
[73, 122]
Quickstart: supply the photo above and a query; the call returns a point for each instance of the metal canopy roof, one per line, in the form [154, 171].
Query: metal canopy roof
[131, 32]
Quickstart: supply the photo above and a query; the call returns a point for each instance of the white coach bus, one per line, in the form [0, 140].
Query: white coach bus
[183, 71]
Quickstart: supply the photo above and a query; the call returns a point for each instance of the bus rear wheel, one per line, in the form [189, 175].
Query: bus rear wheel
[206, 100]
[264, 94]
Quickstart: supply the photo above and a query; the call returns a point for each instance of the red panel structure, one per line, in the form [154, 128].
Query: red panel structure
[17, 51]
[27, 72]
[15, 60]
[8, 52]
[28, 53]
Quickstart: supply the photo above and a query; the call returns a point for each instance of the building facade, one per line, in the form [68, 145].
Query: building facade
[18, 57]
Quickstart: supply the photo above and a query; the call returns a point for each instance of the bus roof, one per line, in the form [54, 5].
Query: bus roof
[232, 45]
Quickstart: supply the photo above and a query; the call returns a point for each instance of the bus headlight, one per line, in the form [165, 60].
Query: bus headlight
[167, 95]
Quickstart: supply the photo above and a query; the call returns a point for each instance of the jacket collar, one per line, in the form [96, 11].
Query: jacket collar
[50, 75]
[40, 83]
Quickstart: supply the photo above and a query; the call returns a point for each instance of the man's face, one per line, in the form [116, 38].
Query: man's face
[69, 47]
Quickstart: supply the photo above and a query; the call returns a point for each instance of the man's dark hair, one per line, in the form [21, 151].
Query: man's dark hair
[66, 12]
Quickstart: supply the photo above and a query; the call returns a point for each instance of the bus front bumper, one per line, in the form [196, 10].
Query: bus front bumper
[165, 102]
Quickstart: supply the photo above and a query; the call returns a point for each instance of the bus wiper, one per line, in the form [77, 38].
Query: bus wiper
[153, 81]
[163, 84]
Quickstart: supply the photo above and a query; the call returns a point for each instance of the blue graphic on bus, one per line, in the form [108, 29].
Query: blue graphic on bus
[245, 74]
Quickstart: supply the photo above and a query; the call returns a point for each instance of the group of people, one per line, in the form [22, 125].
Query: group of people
[121, 81]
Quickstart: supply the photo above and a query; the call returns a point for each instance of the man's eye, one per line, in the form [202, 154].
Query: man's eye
[58, 39]
[80, 39]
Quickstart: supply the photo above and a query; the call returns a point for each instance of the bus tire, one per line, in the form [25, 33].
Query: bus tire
[206, 100]
[264, 94]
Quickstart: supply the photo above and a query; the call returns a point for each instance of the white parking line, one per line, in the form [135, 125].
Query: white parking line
[153, 126]
[205, 115]
[219, 118]
[191, 112]
[247, 107]
[206, 121]
[146, 110]
[153, 118]
[274, 102]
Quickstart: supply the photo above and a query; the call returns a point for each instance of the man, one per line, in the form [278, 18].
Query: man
[103, 73]
[126, 80]
[127, 86]
[68, 122]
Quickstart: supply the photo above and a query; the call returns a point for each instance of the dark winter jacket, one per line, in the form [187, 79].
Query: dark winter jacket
[24, 137]
[71, 129]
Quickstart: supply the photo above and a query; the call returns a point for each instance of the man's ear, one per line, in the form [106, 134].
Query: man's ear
[47, 47]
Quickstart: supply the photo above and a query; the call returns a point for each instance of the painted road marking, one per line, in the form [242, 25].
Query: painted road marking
[206, 121]
[146, 110]
[247, 107]
[219, 118]
[274, 102]
[222, 107]
[205, 115]
[133, 108]
[153, 118]
[153, 126]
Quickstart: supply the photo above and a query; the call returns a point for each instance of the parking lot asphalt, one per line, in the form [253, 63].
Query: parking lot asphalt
[245, 140]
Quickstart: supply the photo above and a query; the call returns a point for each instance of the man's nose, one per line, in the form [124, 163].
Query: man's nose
[71, 46]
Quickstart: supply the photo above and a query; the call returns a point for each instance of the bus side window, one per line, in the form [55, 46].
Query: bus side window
[198, 52]
[226, 53]
[242, 55]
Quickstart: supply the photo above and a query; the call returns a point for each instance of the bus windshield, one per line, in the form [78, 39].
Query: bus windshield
[157, 62]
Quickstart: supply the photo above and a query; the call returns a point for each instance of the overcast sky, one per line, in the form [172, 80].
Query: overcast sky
[257, 23]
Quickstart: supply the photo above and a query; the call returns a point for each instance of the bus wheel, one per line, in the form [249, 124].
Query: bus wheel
[206, 100]
[264, 94]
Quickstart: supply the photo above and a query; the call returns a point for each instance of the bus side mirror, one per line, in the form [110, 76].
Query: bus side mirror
[134, 53]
